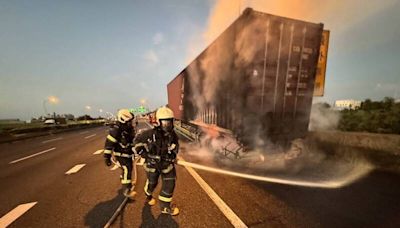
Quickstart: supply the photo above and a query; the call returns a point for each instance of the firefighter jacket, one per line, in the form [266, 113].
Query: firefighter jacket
[119, 140]
[159, 149]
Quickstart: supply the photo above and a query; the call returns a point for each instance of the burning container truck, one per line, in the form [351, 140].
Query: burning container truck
[254, 82]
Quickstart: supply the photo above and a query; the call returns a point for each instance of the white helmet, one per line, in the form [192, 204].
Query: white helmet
[124, 115]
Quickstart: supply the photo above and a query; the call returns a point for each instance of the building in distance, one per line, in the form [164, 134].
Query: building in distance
[347, 104]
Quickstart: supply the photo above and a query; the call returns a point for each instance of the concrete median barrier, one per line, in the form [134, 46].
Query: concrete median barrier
[27, 132]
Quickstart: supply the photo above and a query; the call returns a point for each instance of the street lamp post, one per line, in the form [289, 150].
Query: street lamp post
[50, 99]
[44, 107]
[88, 108]
[145, 104]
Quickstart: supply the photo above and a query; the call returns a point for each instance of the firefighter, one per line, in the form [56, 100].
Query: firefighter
[119, 143]
[159, 146]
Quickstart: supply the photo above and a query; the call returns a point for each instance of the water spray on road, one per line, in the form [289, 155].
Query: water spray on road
[337, 183]
[301, 165]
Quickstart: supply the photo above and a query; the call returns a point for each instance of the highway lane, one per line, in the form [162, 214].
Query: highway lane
[197, 209]
[89, 197]
[29, 179]
[17, 149]
[70, 200]
[369, 202]
[61, 149]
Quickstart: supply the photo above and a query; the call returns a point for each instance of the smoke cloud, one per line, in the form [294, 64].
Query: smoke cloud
[304, 164]
[323, 118]
[303, 160]
[336, 15]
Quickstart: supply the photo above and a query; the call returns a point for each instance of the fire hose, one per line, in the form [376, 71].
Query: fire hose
[125, 201]
[182, 162]
[260, 178]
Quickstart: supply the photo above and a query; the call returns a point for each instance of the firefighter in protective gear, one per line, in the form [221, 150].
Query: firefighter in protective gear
[159, 146]
[119, 143]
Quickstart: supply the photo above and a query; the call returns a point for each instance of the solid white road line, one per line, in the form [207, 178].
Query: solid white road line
[13, 215]
[223, 207]
[98, 152]
[31, 156]
[83, 132]
[90, 136]
[51, 140]
[75, 169]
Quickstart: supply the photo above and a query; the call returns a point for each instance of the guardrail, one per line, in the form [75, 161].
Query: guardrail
[31, 131]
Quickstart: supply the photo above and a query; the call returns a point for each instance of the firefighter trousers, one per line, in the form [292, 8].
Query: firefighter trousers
[126, 166]
[168, 177]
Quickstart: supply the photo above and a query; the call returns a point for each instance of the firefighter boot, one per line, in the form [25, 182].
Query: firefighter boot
[150, 200]
[129, 193]
[170, 211]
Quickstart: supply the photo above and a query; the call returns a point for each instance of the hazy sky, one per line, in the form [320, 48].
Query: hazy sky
[111, 54]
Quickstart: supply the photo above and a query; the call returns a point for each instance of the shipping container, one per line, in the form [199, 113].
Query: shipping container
[256, 79]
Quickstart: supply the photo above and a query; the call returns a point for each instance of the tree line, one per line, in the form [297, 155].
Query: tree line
[372, 116]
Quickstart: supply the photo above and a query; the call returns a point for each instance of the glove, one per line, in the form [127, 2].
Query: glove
[171, 154]
[142, 152]
[172, 147]
[143, 155]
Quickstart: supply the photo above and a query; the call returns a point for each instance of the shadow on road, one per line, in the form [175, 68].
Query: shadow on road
[370, 202]
[102, 212]
[149, 221]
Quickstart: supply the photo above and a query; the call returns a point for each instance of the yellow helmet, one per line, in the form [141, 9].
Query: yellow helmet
[165, 118]
[164, 113]
[124, 115]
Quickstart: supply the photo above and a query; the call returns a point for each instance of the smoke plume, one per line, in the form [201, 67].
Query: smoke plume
[336, 15]
[304, 164]
[304, 160]
[323, 118]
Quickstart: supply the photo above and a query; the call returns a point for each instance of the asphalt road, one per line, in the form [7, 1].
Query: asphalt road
[88, 197]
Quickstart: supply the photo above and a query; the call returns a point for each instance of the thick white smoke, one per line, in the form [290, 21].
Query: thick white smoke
[323, 118]
[302, 160]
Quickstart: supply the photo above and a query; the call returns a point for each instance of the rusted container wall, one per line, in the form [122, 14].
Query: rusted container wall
[256, 79]
[175, 96]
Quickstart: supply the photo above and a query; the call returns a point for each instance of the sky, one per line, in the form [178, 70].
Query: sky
[112, 54]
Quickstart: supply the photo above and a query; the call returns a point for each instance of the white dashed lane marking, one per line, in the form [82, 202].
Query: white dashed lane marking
[98, 152]
[83, 132]
[33, 155]
[75, 169]
[52, 140]
[13, 215]
[90, 136]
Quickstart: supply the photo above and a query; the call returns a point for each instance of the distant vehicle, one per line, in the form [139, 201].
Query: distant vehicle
[152, 118]
[50, 121]
[109, 122]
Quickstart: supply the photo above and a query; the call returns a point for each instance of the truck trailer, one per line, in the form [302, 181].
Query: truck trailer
[255, 81]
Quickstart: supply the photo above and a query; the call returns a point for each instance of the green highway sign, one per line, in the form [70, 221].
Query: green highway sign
[139, 109]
